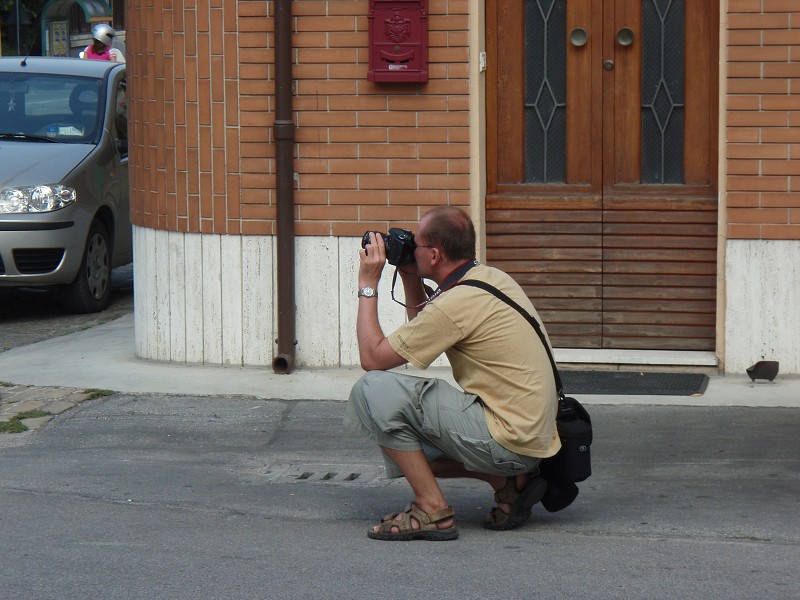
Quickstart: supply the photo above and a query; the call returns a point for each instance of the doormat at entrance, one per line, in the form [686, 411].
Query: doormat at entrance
[634, 382]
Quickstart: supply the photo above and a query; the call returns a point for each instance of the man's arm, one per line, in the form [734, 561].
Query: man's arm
[414, 291]
[374, 350]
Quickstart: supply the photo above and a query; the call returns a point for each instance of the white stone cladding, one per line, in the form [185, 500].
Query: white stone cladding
[762, 318]
[208, 298]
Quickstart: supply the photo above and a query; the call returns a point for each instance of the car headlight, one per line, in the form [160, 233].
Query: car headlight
[36, 199]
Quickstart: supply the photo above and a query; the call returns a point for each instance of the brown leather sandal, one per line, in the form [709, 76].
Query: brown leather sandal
[405, 526]
[521, 503]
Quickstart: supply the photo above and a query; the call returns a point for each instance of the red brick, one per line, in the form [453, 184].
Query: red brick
[758, 21]
[780, 6]
[421, 135]
[743, 167]
[302, 165]
[744, 231]
[311, 150]
[757, 119]
[788, 135]
[758, 215]
[417, 166]
[747, 183]
[782, 70]
[326, 119]
[357, 134]
[313, 181]
[397, 182]
[418, 197]
[388, 150]
[350, 229]
[758, 86]
[316, 228]
[787, 102]
[359, 197]
[757, 151]
[328, 213]
[360, 165]
[444, 182]
[780, 167]
[778, 37]
[775, 200]
[743, 199]
[389, 213]
[780, 232]
[449, 150]
[386, 119]
[744, 37]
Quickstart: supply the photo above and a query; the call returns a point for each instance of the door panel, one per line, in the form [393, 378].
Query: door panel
[613, 237]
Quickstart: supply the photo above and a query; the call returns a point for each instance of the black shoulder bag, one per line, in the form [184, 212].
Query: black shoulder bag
[573, 462]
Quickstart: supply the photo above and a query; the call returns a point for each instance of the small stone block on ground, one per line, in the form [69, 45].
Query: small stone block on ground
[25, 406]
[58, 406]
[36, 422]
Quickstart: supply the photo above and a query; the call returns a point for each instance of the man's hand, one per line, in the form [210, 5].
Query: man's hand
[373, 347]
[373, 259]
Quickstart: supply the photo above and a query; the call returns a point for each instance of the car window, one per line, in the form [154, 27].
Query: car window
[53, 106]
[121, 117]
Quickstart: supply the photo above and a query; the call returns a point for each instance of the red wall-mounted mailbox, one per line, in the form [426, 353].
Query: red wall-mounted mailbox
[398, 40]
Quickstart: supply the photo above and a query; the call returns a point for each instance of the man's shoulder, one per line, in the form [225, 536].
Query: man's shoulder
[493, 276]
[500, 280]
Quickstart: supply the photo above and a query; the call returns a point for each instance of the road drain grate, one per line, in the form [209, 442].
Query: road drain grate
[363, 475]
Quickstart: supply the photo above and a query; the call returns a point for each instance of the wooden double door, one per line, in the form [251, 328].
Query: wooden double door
[601, 162]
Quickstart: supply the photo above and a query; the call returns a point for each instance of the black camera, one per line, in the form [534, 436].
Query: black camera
[399, 244]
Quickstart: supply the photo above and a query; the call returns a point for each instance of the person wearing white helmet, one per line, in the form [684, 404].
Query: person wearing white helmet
[100, 48]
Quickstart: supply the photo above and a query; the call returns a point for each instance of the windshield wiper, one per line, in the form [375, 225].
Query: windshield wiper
[28, 137]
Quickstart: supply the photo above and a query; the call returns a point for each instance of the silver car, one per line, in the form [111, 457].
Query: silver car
[64, 212]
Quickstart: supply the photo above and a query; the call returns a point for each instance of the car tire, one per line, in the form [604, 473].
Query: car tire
[90, 291]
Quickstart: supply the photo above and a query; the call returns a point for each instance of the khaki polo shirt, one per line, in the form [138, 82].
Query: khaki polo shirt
[494, 353]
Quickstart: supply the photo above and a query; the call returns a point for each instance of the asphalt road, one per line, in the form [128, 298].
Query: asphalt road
[144, 496]
[150, 496]
[29, 315]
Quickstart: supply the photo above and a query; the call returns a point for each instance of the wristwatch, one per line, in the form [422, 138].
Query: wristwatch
[367, 292]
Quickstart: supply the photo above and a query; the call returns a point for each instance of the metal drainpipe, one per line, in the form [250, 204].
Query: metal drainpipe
[283, 362]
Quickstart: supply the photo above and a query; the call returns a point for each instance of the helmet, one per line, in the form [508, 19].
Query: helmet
[104, 34]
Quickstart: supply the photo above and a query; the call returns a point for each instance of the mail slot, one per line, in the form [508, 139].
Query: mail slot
[398, 40]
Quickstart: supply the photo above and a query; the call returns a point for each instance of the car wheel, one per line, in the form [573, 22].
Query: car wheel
[90, 291]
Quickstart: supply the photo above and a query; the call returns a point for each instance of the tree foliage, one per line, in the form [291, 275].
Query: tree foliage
[30, 38]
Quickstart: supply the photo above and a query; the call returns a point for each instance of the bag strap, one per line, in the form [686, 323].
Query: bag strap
[534, 323]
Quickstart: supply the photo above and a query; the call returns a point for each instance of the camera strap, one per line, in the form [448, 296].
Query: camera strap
[534, 323]
[451, 280]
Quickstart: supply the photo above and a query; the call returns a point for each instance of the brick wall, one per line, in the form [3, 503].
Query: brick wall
[763, 119]
[367, 155]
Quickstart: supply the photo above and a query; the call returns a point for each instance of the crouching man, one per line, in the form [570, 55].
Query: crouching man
[504, 422]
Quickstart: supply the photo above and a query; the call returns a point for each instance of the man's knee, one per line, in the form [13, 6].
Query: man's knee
[377, 399]
[368, 386]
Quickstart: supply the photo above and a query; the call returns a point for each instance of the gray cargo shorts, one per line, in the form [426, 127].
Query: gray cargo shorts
[404, 412]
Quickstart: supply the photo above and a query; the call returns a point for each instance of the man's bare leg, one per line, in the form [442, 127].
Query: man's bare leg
[446, 468]
[417, 471]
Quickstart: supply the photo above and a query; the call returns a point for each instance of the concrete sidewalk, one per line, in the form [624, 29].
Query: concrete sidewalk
[103, 357]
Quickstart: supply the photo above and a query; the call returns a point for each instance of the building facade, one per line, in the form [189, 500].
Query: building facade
[635, 164]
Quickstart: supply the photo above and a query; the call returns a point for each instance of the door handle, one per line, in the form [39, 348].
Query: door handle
[578, 37]
[608, 64]
[625, 36]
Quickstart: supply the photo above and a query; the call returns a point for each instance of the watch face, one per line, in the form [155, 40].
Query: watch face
[367, 292]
